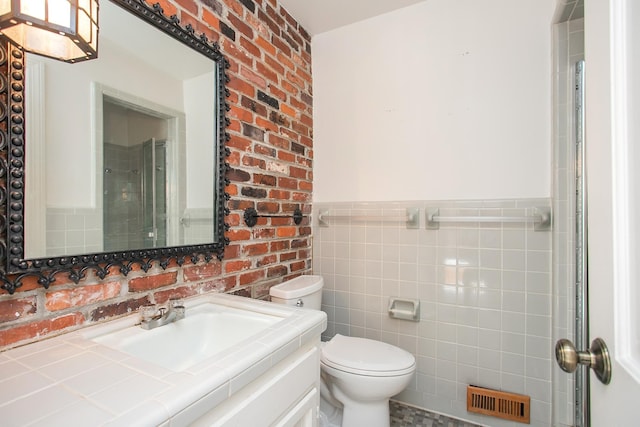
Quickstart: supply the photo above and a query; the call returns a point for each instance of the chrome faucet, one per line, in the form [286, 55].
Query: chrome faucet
[153, 317]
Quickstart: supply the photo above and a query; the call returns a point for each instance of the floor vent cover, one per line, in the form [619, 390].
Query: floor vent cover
[510, 406]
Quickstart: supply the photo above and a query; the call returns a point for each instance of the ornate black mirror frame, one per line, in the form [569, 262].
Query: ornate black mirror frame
[12, 171]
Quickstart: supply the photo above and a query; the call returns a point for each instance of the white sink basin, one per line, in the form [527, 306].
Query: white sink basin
[207, 330]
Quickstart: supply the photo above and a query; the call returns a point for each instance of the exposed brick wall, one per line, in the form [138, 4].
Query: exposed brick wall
[270, 170]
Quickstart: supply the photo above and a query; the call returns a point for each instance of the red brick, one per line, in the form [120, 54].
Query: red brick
[231, 252]
[274, 64]
[303, 75]
[289, 88]
[237, 235]
[177, 293]
[81, 295]
[267, 72]
[231, 190]
[277, 271]
[306, 141]
[202, 272]
[253, 162]
[254, 78]
[38, 329]
[241, 114]
[235, 6]
[256, 249]
[241, 86]
[271, 11]
[220, 285]
[234, 266]
[188, 5]
[264, 233]
[145, 283]
[287, 157]
[307, 120]
[248, 278]
[239, 143]
[288, 183]
[279, 245]
[258, 26]
[285, 61]
[210, 19]
[297, 266]
[288, 256]
[279, 195]
[301, 197]
[240, 26]
[297, 172]
[286, 231]
[300, 128]
[234, 126]
[288, 110]
[295, 80]
[266, 45]
[17, 308]
[266, 124]
[229, 48]
[305, 186]
[279, 142]
[284, 50]
[267, 260]
[291, 134]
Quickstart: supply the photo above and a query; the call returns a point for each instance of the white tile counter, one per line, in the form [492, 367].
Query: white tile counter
[70, 380]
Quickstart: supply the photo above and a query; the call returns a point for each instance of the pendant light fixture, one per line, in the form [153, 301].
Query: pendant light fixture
[61, 29]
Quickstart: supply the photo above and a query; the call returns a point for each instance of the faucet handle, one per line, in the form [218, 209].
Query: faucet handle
[173, 303]
[147, 312]
[177, 305]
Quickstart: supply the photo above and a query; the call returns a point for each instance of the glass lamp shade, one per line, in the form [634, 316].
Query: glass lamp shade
[61, 29]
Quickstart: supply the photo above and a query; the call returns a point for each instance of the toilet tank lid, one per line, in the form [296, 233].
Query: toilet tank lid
[297, 287]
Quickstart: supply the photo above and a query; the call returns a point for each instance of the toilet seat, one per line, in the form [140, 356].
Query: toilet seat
[362, 356]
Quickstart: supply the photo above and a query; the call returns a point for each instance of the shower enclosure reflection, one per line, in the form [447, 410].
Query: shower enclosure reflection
[135, 186]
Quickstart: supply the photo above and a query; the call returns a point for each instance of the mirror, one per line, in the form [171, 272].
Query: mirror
[119, 160]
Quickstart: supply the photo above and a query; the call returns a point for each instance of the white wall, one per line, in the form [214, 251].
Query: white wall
[447, 99]
[70, 156]
[201, 153]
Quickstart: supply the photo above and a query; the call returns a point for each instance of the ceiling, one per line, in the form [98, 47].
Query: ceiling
[319, 16]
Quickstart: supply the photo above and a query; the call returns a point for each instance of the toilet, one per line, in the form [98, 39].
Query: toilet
[358, 375]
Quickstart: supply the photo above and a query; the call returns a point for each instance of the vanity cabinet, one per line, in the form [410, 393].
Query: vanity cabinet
[269, 378]
[286, 395]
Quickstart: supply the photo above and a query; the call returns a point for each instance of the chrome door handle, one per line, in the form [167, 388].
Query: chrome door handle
[596, 358]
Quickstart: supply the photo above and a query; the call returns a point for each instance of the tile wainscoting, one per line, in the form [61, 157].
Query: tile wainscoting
[484, 289]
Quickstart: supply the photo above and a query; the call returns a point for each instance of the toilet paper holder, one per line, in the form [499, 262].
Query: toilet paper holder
[404, 309]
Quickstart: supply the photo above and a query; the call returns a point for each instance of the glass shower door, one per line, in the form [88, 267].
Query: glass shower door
[154, 190]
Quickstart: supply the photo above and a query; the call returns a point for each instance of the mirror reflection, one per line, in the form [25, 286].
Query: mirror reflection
[121, 150]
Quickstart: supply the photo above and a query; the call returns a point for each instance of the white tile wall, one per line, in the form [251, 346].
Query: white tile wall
[485, 292]
[73, 231]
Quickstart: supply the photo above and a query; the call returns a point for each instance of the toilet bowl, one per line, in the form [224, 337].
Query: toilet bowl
[358, 375]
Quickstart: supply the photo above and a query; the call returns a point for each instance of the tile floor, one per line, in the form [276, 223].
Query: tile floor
[408, 416]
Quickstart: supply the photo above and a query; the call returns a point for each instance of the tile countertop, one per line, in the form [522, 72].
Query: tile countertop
[71, 381]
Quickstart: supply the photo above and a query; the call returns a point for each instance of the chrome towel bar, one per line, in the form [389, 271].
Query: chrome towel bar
[541, 219]
[411, 218]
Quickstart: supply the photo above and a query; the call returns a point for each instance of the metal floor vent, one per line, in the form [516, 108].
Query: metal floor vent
[509, 406]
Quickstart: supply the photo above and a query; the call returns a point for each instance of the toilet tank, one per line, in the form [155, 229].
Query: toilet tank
[302, 291]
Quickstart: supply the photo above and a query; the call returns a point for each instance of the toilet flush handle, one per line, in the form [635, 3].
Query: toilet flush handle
[299, 303]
